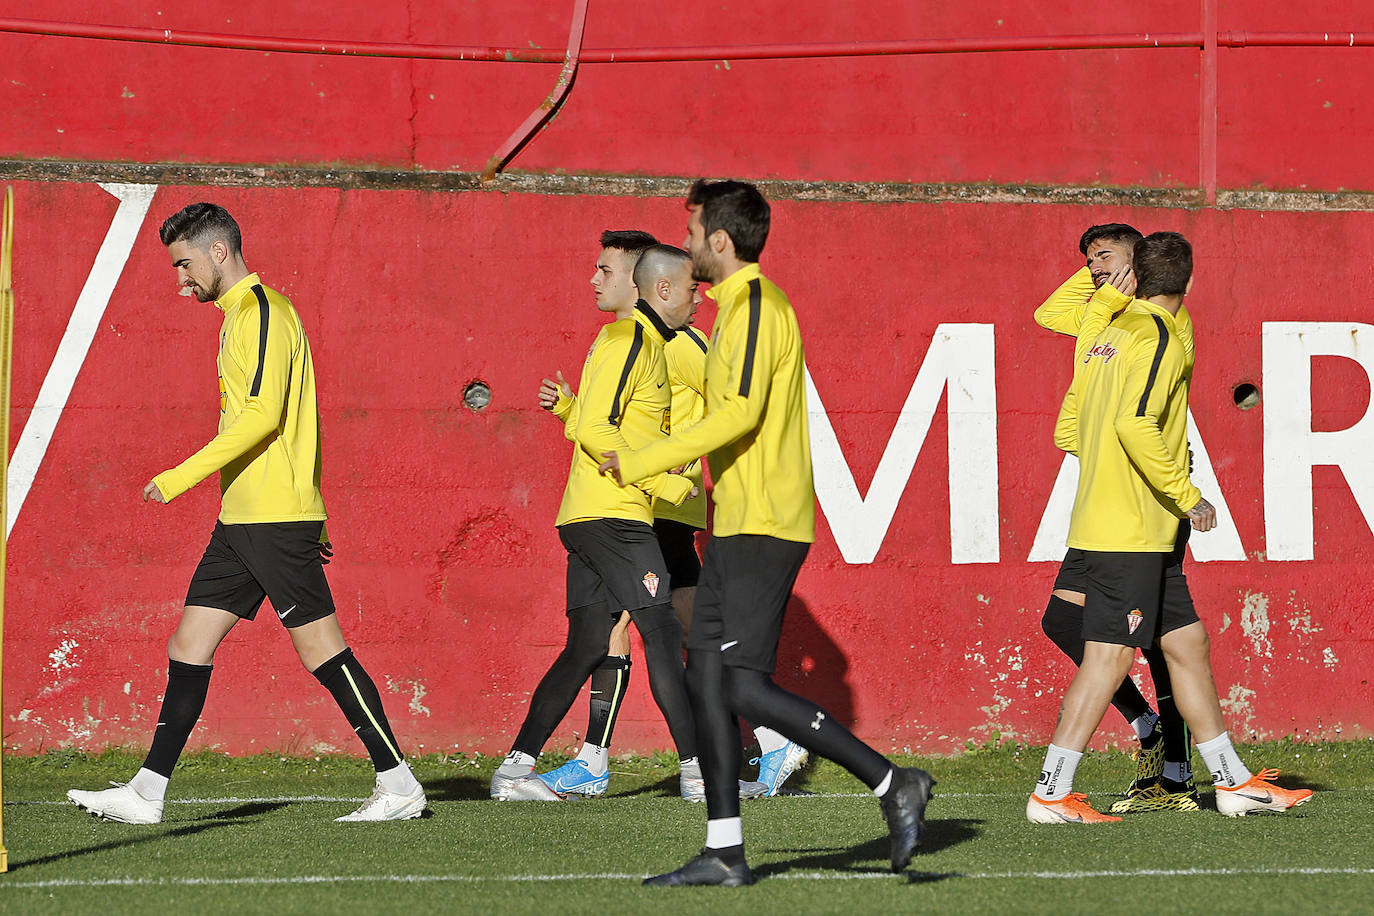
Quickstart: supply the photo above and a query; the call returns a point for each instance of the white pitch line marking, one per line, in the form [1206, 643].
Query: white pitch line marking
[266, 881]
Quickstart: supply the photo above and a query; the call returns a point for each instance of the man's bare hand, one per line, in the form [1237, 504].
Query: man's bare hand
[1203, 516]
[1123, 280]
[612, 464]
[152, 492]
[549, 391]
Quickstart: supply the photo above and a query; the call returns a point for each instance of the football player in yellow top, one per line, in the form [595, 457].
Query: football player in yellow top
[1127, 421]
[756, 437]
[1087, 300]
[269, 541]
[614, 561]
[658, 279]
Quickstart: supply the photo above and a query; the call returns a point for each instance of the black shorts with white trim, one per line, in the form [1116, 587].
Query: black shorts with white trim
[243, 564]
[746, 582]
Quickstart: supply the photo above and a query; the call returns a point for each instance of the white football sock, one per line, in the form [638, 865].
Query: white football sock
[152, 786]
[724, 832]
[1223, 762]
[769, 740]
[398, 780]
[1056, 776]
[881, 788]
[596, 758]
[516, 763]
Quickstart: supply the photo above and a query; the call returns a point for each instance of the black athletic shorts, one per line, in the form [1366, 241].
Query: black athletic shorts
[1131, 600]
[1073, 575]
[278, 560]
[616, 561]
[746, 582]
[678, 541]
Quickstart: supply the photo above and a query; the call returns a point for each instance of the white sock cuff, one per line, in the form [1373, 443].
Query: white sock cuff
[724, 832]
[150, 785]
[399, 779]
[1075, 756]
[768, 739]
[881, 788]
[1218, 744]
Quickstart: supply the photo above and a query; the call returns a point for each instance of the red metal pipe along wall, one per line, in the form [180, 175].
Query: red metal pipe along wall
[1229, 39]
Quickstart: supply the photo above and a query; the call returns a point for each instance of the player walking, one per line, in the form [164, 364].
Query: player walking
[1126, 419]
[756, 438]
[1083, 304]
[269, 541]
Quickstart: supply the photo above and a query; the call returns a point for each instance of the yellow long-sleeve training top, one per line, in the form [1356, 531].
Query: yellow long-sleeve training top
[685, 354]
[267, 451]
[1130, 394]
[1081, 310]
[755, 430]
[623, 402]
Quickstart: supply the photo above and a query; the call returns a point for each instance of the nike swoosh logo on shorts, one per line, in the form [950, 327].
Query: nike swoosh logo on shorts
[729, 645]
[281, 615]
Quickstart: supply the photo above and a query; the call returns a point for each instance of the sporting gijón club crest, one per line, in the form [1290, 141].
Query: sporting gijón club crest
[651, 584]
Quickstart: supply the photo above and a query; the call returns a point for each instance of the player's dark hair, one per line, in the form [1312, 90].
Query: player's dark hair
[738, 208]
[631, 241]
[199, 225]
[1111, 232]
[1163, 265]
[656, 261]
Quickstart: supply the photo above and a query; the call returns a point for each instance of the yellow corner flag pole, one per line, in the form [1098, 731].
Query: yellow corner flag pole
[6, 339]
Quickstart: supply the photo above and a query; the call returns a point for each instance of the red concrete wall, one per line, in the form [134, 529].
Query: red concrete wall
[1083, 117]
[449, 575]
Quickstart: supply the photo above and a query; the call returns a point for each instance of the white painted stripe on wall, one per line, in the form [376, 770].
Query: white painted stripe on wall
[134, 200]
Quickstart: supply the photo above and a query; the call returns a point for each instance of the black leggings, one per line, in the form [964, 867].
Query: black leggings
[721, 694]
[589, 629]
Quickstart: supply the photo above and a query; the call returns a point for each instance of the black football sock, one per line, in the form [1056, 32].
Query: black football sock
[181, 708]
[343, 676]
[1177, 740]
[610, 680]
[753, 695]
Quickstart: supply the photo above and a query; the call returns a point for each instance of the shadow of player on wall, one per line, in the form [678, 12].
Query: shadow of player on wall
[810, 664]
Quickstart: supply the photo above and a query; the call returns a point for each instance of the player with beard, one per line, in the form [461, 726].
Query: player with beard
[1164, 775]
[755, 435]
[269, 541]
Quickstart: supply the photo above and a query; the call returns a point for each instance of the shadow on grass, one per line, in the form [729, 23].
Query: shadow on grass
[457, 788]
[154, 836]
[238, 812]
[941, 834]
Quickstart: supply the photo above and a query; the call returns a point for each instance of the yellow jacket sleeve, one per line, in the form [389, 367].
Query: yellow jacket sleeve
[567, 410]
[1150, 376]
[1097, 313]
[1063, 311]
[734, 415]
[267, 358]
[594, 431]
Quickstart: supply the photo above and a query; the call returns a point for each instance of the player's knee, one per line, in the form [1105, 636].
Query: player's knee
[745, 691]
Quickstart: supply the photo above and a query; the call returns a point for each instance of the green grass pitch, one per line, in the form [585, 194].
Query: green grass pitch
[255, 835]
